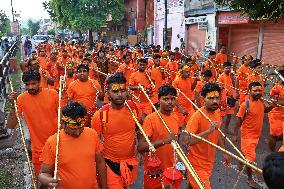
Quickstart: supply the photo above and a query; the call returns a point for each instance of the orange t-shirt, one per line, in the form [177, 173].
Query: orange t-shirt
[202, 154]
[185, 86]
[198, 88]
[221, 58]
[119, 133]
[157, 76]
[139, 78]
[226, 81]
[127, 70]
[155, 130]
[253, 120]
[84, 92]
[40, 114]
[76, 160]
[172, 67]
[242, 73]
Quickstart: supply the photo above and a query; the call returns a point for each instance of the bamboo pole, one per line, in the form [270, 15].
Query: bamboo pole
[61, 80]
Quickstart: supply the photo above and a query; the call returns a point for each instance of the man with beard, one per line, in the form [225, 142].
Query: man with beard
[250, 120]
[80, 154]
[39, 108]
[62, 61]
[160, 137]
[201, 155]
[115, 124]
[85, 91]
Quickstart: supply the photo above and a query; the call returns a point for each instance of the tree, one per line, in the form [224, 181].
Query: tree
[84, 14]
[51, 32]
[256, 9]
[25, 31]
[33, 27]
[5, 27]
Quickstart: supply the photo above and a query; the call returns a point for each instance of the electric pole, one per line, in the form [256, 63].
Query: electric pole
[12, 11]
[166, 24]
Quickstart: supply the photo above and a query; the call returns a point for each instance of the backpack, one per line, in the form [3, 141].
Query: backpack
[105, 109]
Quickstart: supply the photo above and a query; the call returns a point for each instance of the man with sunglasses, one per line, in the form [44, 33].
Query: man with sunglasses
[80, 154]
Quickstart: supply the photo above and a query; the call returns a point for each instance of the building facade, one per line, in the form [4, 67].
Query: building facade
[175, 22]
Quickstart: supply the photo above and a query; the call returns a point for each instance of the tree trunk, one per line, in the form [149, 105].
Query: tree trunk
[91, 40]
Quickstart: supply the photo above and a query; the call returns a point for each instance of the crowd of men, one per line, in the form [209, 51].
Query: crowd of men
[103, 92]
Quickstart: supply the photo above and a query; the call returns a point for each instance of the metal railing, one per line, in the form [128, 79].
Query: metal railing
[5, 71]
[4, 87]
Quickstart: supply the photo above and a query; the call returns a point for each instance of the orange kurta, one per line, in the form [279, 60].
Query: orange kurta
[251, 127]
[40, 114]
[157, 76]
[172, 68]
[84, 92]
[276, 115]
[155, 129]
[77, 166]
[201, 155]
[43, 62]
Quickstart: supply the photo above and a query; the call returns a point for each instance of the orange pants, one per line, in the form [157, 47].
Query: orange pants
[204, 176]
[115, 181]
[248, 146]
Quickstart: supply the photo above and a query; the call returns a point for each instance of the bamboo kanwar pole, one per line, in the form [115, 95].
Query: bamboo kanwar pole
[176, 146]
[226, 152]
[151, 146]
[23, 139]
[279, 75]
[58, 128]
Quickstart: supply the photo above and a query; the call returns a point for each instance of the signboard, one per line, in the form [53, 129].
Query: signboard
[15, 28]
[194, 20]
[232, 18]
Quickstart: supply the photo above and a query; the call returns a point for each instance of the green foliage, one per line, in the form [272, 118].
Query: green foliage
[51, 32]
[84, 14]
[5, 27]
[25, 31]
[257, 9]
[33, 27]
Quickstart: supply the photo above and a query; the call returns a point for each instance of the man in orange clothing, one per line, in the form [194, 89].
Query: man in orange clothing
[206, 77]
[158, 74]
[85, 91]
[185, 84]
[172, 67]
[250, 120]
[140, 77]
[119, 142]
[80, 154]
[201, 155]
[228, 97]
[210, 63]
[242, 74]
[39, 108]
[127, 68]
[276, 115]
[222, 57]
[160, 137]
[42, 59]
[62, 61]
